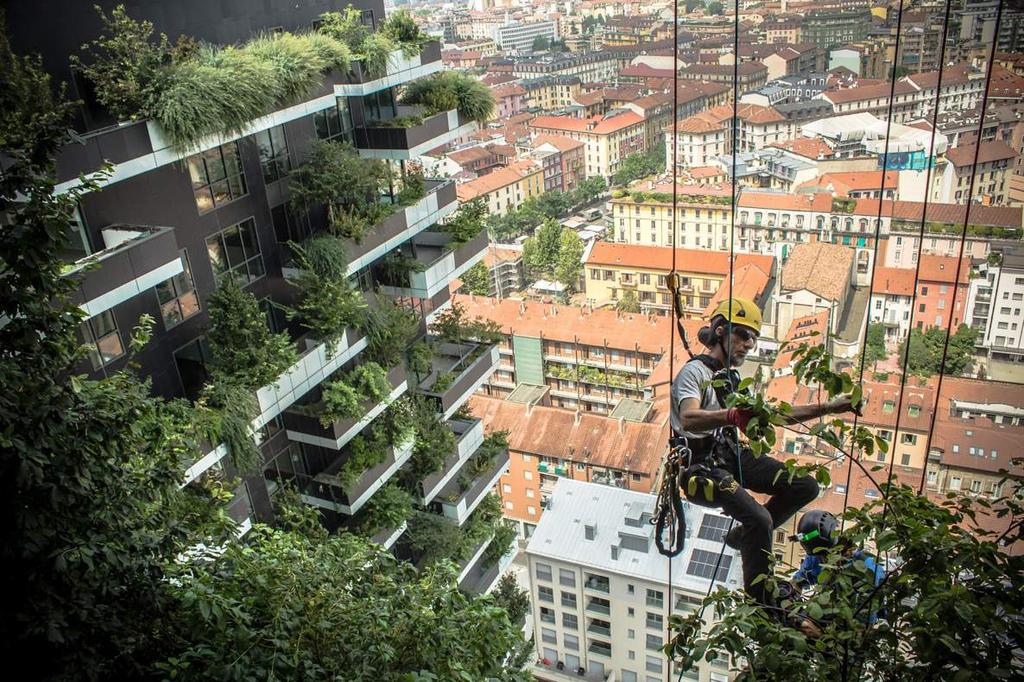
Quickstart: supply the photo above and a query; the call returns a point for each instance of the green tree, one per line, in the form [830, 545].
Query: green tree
[540, 43]
[952, 577]
[714, 8]
[242, 347]
[549, 244]
[477, 280]
[640, 165]
[569, 266]
[91, 469]
[874, 344]
[691, 5]
[629, 303]
[296, 605]
[514, 599]
[926, 348]
[589, 189]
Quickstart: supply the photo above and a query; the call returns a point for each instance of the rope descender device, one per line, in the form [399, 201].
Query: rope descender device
[668, 509]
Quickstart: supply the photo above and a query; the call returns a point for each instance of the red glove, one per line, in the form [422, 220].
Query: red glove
[739, 417]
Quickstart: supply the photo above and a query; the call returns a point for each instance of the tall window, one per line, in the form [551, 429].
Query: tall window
[273, 150]
[102, 339]
[217, 176]
[190, 361]
[177, 296]
[236, 250]
[380, 106]
[334, 122]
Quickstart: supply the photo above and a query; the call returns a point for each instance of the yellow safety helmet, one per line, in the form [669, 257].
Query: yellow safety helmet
[740, 311]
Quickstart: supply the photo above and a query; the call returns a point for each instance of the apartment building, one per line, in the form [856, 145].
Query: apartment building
[856, 184]
[504, 265]
[913, 96]
[170, 225]
[749, 75]
[927, 296]
[787, 30]
[816, 276]
[990, 174]
[518, 36]
[892, 295]
[587, 359]
[600, 590]
[995, 304]
[511, 100]
[563, 160]
[643, 215]
[944, 223]
[609, 139]
[612, 270]
[699, 140]
[551, 92]
[590, 67]
[827, 28]
[970, 455]
[547, 443]
[505, 189]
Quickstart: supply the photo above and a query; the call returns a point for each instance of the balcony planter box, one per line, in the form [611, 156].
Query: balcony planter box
[458, 505]
[469, 436]
[387, 537]
[480, 579]
[471, 363]
[441, 264]
[378, 140]
[401, 226]
[326, 491]
[136, 259]
[306, 428]
[400, 69]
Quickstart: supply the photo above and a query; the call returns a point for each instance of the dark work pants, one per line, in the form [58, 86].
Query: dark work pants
[788, 497]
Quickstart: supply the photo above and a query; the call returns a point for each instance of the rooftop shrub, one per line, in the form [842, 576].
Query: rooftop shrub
[451, 90]
[328, 303]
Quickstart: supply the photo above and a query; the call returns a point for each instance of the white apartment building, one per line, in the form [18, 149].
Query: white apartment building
[599, 588]
[519, 36]
[995, 303]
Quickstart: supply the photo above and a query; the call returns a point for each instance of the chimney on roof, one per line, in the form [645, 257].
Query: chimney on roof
[577, 417]
[522, 308]
[622, 424]
[529, 407]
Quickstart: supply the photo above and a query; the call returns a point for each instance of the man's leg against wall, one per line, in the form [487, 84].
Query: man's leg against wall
[788, 497]
[756, 543]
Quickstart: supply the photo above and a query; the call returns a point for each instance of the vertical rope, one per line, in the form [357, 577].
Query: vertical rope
[963, 232]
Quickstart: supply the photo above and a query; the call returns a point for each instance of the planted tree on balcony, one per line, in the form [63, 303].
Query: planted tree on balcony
[328, 303]
[395, 268]
[434, 442]
[364, 453]
[389, 328]
[420, 358]
[224, 414]
[348, 185]
[242, 347]
[389, 508]
[340, 401]
[403, 29]
[467, 222]
[504, 537]
[413, 188]
[433, 538]
[449, 90]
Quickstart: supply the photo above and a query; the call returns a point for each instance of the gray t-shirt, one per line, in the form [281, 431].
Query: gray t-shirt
[693, 381]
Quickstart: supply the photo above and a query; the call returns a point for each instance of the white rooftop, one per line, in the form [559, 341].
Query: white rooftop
[620, 518]
[872, 131]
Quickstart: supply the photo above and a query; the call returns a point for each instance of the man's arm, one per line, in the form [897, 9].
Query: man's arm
[696, 420]
[804, 412]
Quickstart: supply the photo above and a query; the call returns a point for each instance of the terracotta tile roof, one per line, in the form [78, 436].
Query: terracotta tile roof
[818, 201]
[509, 90]
[604, 326]
[745, 69]
[751, 113]
[865, 92]
[687, 260]
[748, 281]
[559, 142]
[498, 254]
[955, 75]
[893, 281]
[1005, 84]
[943, 269]
[555, 432]
[465, 156]
[808, 329]
[821, 268]
[952, 214]
[588, 98]
[645, 71]
[982, 392]
[717, 190]
[699, 172]
[855, 181]
[962, 156]
[1002, 440]
[807, 147]
[502, 177]
[596, 125]
[704, 122]
[654, 100]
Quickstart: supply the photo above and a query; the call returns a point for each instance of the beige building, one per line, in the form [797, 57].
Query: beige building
[609, 139]
[816, 277]
[643, 215]
[614, 270]
[996, 162]
[504, 189]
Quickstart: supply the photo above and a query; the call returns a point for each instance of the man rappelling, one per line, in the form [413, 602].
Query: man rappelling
[717, 469]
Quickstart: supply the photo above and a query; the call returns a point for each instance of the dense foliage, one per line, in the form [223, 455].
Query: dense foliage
[477, 280]
[328, 303]
[874, 344]
[389, 328]
[550, 205]
[554, 252]
[389, 508]
[449, 90]
[926, 351]
[242, 347]
[197, 90]
[640, 165]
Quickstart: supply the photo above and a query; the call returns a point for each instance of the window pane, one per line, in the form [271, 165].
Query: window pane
[197, 171]
[110, 347]
[215, 250]
[214, 164]
[221, 192]
[256, 269]
[204, 200]
[247, 232]
[103, 324]
[233, 246]
[236, 185]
